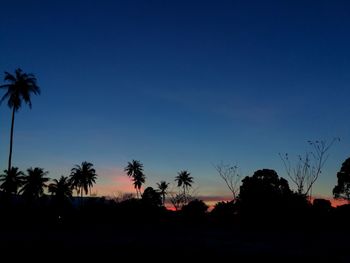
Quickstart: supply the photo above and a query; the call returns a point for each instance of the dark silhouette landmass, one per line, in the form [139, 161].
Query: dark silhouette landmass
[268, 221]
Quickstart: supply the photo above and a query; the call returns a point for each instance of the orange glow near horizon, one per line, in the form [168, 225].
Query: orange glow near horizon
[338, 202]
[113, 182]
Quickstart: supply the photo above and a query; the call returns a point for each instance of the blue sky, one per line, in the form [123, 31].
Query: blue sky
[178, 85]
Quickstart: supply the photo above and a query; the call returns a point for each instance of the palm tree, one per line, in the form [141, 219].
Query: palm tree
[83, 177]
[34, 183]
[11, 180]
[185, 180]
[134, 169]
[19, 88]
[138, 180]
[163, 186]
[61, 188]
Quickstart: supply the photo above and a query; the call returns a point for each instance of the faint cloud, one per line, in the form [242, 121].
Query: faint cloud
[223, 103]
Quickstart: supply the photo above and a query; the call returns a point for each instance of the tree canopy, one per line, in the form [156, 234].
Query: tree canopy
[342, 189]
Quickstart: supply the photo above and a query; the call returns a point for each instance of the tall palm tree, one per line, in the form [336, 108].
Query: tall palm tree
[185, 180]
[34, 183]
[163, 187]
[61, 188]
[134, 169]
[19, 88]
[83, 177]
[11, 180]
[139, 179]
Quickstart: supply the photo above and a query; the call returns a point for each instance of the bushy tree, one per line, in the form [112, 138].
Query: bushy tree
[152, 197]
[264, 193]
[342, 189]
[195, 209]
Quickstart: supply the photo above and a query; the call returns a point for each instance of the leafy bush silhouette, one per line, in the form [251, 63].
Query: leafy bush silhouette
[151, 197]
[342, 189]
[264, 195]
[224, 211]
[195, 209]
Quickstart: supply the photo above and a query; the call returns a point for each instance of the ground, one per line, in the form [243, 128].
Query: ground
[156, 242]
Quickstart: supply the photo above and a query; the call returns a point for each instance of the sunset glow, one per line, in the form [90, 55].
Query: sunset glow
[177, 86]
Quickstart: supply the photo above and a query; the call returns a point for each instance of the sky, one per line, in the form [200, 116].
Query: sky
[178, 85]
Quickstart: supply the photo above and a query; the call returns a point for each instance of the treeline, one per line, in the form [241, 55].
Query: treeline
[264, 201]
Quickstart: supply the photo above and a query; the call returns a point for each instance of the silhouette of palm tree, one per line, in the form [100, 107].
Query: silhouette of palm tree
[138, 180]
[83, 177]
[35, 182]
[61, 188]
[19, 88]
[11, 180]
[134, 169]
[185, 180]
[163, 187]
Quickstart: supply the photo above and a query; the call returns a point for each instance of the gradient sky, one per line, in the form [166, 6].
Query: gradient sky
[177, 85]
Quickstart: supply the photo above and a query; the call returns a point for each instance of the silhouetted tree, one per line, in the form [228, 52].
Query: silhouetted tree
[163, 187]
[300, 173]
[34, 183]
[138, 180]
[178, 200]
[195, 209]
[61, 189]
[224, 210]
[134, 169]
[152, 197]
[307, 169]
[19, 88]
[185, 180]
[83, 177]
[264, 193]
[342, 189]
[230, 175]
[11, 180]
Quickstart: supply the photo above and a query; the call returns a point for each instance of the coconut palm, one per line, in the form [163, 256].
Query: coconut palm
[163, 187]
[139, 179]
[134, 169]
[34, 183]
[11, 180]
[61, 188]
[19, 88]
[83, 177]
[185, 180]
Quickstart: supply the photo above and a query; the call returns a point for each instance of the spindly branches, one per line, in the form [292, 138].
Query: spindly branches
[308, 168]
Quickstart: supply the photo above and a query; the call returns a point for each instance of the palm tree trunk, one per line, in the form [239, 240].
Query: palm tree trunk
[163, 199]
[185, 197]
[81, 197]
[11, 138]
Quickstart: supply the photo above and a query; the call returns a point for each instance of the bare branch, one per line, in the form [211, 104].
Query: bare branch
[320, 156]
[306, 170]
[229, 173]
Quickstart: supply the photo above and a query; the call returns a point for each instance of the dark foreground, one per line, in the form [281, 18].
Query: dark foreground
[125, 242]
